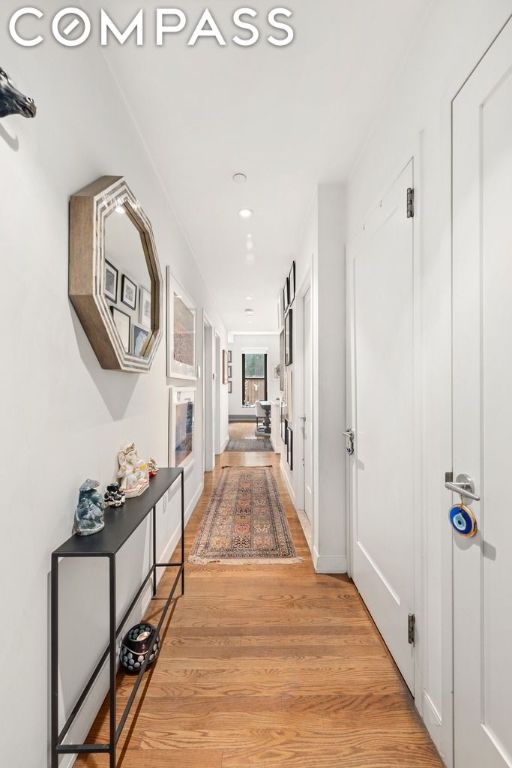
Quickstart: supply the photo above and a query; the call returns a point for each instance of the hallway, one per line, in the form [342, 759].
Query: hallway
[270, 666]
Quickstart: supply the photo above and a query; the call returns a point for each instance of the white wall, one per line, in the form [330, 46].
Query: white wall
[415, 121]
[266, 344]
[63, 417]
[321, 264]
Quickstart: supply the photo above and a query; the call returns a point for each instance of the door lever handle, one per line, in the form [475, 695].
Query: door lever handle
[349, 440]
[464, 486]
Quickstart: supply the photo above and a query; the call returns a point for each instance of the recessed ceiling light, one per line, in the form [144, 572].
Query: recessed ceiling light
[249, 311]
[246, 213]
[250, 245]
[240, 178]
[248, 298]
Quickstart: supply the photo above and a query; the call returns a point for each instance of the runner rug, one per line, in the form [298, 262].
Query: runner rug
[250, 444]
[244, 522]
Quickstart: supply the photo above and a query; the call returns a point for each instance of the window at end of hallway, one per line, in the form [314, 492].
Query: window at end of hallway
[254, 379]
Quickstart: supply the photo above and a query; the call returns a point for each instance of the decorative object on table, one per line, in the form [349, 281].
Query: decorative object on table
[181, 332]
[245, 521]
[128, 292]
[288, 338]
[292, 283]
[139, 340]
[133, 472]
[152, 467]
[144, 307]
[114, 496]
[12, 101]
[108, 224]
[181, 426]
[89, 514]
[123, 324]
[141, 641]
[111, 281]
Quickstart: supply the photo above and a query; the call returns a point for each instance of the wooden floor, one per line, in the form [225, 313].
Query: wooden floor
[269, 666]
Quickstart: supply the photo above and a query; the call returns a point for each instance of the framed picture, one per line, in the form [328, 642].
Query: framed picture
[144, 307]
[281, 359]
[289, 446]
[230, 356]
[230, 371]
[111, 281]
[230, 387]
[140, 338]
[129, 292]
[291, 283]
[181, 332]
[288, 338]
[181, 426]
[286, 295]
[123, 324]
[224, 367]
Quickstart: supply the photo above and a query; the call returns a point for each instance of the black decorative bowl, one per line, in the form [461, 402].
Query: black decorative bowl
[141, 641]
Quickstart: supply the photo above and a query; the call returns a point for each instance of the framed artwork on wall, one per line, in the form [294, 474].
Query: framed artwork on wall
[224, 367]
[289, 446]
[129, 292]
[123, 323]
[291, 283]
[181, 426]
[144, 307]
[288, 338]
[230, 372]
[111, 281]
[230, 387]
[181, 332]
[230, 356]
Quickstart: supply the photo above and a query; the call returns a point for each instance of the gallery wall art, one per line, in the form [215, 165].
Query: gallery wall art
[181, 332]
[181, 426]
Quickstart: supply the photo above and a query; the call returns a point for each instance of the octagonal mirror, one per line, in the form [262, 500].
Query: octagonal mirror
[115, 283]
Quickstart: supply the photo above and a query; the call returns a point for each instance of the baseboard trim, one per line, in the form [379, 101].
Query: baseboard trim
[287, 481]
[329, 563]
[433, 720]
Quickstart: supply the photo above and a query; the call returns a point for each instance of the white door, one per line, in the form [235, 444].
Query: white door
[382, 377]
[308, 409]
[482, 417]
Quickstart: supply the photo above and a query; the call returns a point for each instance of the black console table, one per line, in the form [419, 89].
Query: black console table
[120, 524]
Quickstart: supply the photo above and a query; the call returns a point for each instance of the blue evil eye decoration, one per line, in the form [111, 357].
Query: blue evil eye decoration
[463, 521]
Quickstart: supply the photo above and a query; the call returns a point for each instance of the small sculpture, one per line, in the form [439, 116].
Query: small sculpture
[89, 516]
[12, 101]
[114, 497]
[133, 472]
[152, 467]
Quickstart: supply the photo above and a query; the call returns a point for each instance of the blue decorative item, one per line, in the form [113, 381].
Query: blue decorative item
[463, 521]
[141, 641]
[12, 101]
[89, 514]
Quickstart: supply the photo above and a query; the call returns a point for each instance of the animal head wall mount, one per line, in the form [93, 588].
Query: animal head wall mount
[12, 101]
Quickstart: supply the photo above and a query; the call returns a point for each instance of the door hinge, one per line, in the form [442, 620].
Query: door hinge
[410, 203]
[411, 629]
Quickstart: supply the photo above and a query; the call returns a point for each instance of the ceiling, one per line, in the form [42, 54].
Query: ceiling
[289, 118]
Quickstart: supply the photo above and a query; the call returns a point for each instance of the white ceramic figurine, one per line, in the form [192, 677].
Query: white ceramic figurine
[132, 473]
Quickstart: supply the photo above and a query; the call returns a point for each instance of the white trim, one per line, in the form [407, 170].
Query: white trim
[289, 486]
[329, 564]
[223, 446]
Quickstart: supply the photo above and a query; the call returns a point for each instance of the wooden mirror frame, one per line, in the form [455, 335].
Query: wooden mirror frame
[88, 210]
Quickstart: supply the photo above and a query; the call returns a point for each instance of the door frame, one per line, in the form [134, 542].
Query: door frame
[299, 404]
[419, 518]
[217, 392]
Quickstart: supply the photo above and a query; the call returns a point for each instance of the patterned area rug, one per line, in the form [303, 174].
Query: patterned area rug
[250, 444]
[245, 522]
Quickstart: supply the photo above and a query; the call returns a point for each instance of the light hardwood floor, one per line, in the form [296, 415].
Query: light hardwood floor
[270, 666]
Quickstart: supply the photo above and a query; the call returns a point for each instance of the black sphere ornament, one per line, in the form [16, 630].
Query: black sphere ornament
[141, 641]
